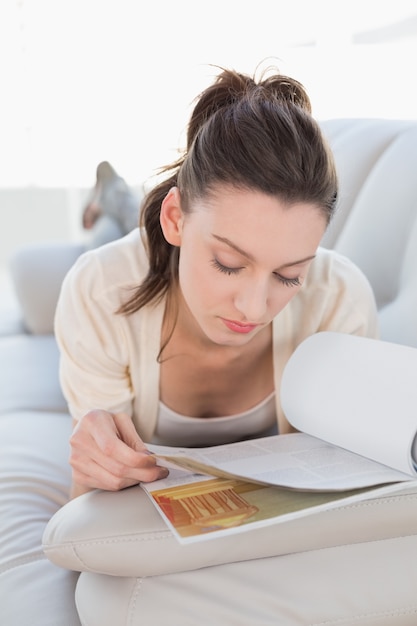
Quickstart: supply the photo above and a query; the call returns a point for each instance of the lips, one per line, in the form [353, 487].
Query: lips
[238, 327]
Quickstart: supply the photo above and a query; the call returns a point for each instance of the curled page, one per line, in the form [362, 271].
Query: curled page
[356, 393]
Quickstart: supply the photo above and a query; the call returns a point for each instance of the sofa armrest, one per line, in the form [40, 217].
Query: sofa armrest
[122, 534]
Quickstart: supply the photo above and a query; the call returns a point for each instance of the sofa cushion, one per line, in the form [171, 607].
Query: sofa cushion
[48, 595]
[122, 534]
[370, 584]
[34, 483]
[29, 374]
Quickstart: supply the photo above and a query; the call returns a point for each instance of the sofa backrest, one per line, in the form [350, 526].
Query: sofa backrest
[376, 221]
[375, 225]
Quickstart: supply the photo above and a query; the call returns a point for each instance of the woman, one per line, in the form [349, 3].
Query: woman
[181, 337]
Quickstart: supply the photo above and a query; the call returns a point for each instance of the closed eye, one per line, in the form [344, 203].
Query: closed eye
[288, 282]
[224, 269]
[229, 271]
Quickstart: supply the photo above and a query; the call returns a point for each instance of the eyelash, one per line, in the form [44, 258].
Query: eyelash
[229, 271]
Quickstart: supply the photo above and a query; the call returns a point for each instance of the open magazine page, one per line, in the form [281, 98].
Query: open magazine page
[354, 401]
[357, 393]
[197, 507]
[296, 461]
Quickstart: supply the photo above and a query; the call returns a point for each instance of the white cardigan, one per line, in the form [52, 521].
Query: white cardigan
[109, 361]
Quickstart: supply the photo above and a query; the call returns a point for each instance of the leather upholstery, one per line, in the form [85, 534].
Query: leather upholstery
[353, 565]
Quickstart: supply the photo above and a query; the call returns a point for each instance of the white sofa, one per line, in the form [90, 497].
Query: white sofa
[354, 565]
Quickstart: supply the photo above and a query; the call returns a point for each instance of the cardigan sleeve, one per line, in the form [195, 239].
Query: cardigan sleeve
[97, 345]
[336, 297]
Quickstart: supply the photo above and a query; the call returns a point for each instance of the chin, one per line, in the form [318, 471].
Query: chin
[231, 339]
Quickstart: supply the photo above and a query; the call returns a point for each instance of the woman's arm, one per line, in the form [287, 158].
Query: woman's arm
[107, 453]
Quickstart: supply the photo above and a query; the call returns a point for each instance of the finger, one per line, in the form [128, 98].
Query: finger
[87, 457]
[99, 479]
[97, 450]
[97, 433]
[128, 432]
[95, 475]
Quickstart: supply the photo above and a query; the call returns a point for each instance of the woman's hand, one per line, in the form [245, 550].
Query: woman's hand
[107, 453]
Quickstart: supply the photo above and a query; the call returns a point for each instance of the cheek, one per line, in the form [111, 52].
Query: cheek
[203, 288]
[194, 278]
[281, 297]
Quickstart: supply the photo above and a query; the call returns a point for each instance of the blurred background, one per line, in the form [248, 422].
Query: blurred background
[89, 80]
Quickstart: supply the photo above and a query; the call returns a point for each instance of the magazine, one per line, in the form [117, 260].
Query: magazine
[353, 402]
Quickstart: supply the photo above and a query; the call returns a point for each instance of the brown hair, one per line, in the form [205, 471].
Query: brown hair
[249, 134]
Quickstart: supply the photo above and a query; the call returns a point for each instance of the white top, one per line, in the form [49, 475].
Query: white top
[109, 361]
[180, 430]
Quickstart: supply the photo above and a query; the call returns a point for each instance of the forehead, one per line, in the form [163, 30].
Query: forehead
[253, 218]
[227, 198]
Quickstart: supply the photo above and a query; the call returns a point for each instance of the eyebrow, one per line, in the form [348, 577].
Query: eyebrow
[249, 256]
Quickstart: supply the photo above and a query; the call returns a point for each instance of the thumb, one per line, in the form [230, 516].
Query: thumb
[128, 433]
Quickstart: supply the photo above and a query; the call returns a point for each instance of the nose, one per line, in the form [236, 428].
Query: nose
[252, 300]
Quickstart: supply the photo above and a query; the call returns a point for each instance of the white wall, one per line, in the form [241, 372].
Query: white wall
[88, 80]
[33, 214]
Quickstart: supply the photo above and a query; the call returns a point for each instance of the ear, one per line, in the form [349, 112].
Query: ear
[172, 217]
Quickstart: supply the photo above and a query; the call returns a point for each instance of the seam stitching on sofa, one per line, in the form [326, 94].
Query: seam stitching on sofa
[133, 601]
[281, 554]
[376, 502]
[38, 556]
[109, 540]
[99, 542]
[168, 535]
[350, 544]
[366, 616]
[80, 560]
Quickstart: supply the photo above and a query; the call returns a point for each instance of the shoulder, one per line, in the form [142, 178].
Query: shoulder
[336, 295]
[336, 274]
[87, 324]
[110, 270]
